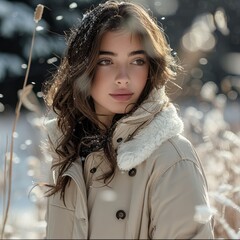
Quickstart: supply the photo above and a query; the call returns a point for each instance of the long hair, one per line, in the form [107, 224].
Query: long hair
[68, 94]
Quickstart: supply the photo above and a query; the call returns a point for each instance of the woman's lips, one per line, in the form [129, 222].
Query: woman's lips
[122, 97]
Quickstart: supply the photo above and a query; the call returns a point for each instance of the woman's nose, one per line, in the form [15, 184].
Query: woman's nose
[122, 77]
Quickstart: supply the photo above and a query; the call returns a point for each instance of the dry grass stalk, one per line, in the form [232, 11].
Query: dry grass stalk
[29, 100]
[5, 177]
[37, 17]
[229, 231]
[38, 13]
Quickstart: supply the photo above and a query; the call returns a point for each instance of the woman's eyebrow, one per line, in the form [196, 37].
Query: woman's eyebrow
[115, 54]
[107, 53]
[137, 52]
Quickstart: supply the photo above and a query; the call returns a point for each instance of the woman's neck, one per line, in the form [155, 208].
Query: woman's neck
[106, 120]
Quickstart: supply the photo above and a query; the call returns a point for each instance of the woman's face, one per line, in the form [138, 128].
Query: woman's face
[121, 74]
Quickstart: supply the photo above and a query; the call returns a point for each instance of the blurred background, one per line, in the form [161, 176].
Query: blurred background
[203, 34]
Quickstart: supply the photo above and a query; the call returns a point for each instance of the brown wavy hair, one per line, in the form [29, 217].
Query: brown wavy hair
[68, 93]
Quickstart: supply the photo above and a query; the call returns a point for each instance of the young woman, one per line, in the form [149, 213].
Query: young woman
[121, 169]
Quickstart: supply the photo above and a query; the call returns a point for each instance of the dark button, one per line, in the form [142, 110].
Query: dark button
[132, 172]
[119, 140]
[120, 214]
[93, 170]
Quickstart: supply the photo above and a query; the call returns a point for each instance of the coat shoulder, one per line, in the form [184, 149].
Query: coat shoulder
[174, 150]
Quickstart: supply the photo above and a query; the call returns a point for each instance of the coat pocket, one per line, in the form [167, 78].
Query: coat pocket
[60, 223]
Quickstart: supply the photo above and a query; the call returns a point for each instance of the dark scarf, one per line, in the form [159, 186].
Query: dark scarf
[91, 138]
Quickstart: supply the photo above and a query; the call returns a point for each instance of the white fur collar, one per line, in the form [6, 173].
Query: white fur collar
[165, 125]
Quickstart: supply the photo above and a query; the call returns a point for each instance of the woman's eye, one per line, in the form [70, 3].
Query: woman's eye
[104, 62]
[139, 62]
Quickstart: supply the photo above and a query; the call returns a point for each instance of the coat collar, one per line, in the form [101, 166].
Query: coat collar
[165, 125]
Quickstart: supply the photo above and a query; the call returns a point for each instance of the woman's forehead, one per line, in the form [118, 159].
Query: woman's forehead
[120, 39]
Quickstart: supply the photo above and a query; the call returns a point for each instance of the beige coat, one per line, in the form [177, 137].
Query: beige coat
[158, 183]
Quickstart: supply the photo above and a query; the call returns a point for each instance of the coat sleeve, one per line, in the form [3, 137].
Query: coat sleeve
[173, 199]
